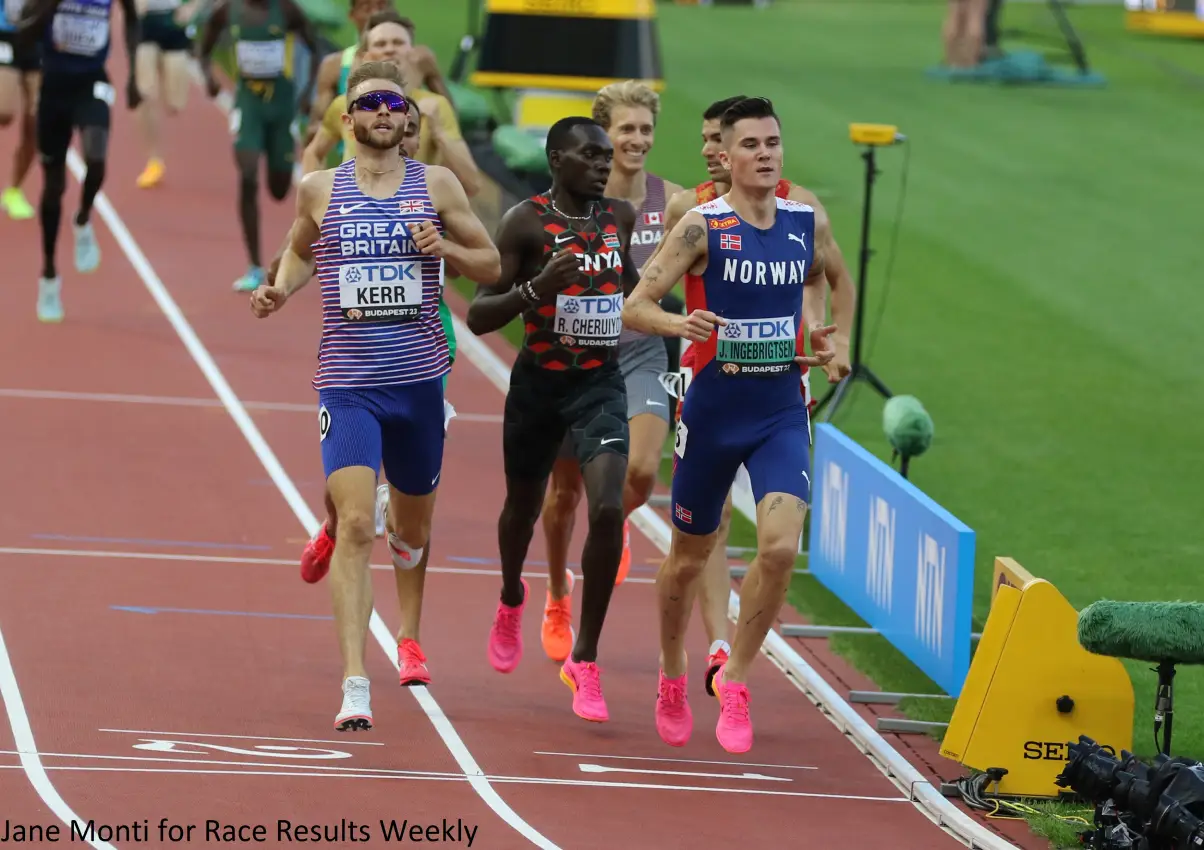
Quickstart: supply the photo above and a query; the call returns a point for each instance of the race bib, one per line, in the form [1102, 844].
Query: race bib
[260, 58]
[80, 35]
[162, 5]
[381, 292]
[6, 53]
[589, 320]
[756, 346]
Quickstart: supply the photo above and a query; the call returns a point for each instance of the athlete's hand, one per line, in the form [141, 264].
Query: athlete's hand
[212, 86]
[427, 238]
[821, 345]
[561, 272]
[266, 300]
[697, 326]
[133, 96]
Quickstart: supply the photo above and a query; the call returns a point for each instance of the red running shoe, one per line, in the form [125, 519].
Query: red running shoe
[315, 559]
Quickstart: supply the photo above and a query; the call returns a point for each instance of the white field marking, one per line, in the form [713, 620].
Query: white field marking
[241, 737]
[756, 777]
[678, 761]
[188, 401]
[27, 749]
[943, 814]
[223, 559]
[288, 490]
[500, 780]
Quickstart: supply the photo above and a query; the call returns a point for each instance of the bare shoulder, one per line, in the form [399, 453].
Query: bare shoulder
[672, 189]
[331, 64]
[623, 209]
[443, 186]
[313, 192]
[680, 203]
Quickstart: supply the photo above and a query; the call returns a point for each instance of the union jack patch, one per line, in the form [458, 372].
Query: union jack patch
[729, 242]
[682, 514]
[409, 207]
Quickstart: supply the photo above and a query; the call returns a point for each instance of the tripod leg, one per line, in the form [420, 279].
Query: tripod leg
[836, 395]
[875, 382]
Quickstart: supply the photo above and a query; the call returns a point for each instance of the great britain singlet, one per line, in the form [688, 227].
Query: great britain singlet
[380, 294]
[77, 39]
[581, 330]
[754, 280]
[648, 232]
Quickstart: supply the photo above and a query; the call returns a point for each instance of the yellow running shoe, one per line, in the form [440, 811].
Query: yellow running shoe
[151, 175]
[14, 203]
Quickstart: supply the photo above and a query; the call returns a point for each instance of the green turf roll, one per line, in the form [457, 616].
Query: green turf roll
[1144, 631]
[907, 425]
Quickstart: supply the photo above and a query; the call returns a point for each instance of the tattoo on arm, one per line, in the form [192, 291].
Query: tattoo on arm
[692, 235]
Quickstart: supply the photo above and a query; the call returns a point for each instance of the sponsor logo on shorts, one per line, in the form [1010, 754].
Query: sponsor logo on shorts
[682, 514]
[724, 223]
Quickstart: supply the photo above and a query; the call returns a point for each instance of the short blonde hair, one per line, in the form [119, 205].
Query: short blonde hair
[629, 93]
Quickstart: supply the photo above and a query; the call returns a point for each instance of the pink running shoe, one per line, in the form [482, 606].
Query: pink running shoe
[315, 558]
[674, 720]
[411, 664]
[584, 680]
[734, 729]
[506, 636]
[714, 661]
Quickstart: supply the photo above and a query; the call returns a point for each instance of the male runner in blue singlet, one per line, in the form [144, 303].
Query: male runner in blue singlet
[75, 94]
[747, 257]
[373, 232]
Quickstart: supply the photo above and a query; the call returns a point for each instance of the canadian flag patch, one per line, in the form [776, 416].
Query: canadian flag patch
[651, 219]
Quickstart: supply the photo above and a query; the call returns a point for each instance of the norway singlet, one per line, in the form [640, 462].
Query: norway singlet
[743, 405]
[566, 381]
[383, 353]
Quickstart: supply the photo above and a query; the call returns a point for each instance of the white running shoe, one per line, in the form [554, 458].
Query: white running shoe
[50, 300]
[382, 506]
[87, 249]
[356, 715]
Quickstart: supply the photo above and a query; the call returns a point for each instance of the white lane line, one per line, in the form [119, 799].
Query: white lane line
[189, 401]
[537, 575]
[292, 496]
[242, 737]
[677, 761]
[27, 749]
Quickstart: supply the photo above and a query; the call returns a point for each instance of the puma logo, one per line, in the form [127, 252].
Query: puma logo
[799, 240]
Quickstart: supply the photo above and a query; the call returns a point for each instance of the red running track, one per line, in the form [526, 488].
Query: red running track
[172, 668]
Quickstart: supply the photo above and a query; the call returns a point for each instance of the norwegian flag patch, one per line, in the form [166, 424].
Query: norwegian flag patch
[410, 207]
[682, 514]
[729, 242]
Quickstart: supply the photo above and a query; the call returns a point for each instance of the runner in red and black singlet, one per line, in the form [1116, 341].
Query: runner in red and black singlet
[566, 268]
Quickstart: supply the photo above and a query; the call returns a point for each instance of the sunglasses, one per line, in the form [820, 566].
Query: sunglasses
[371, 101]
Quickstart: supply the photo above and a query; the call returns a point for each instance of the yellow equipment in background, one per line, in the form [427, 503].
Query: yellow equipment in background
[1032, 689]
[558, 53]
[1165, 17]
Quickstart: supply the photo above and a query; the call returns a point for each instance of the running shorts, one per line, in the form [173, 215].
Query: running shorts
[709, 449]
[262, 121]
[544, 409]
[402, 427]
[161, 29]
[67, 102]
[642, 362]
[24, 59]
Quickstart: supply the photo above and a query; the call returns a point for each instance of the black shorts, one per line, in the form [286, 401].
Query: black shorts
[68, 102]
[542, 406]
[161, 29]
[27, 59]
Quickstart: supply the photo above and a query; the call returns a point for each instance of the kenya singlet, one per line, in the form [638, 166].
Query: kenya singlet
[582, 329]
[380, 294]
[77, 40]
[754, 280]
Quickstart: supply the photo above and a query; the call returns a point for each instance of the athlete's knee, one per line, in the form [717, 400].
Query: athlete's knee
[357, 529]
[94, 142]
[641, 480]
[54, 181]
[95, 171]
[606, 510]
[684, 564]
[522, 506]
[562, 499]
[777, 556]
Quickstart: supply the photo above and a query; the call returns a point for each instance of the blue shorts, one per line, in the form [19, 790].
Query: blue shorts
[708, 452]
[401, 427]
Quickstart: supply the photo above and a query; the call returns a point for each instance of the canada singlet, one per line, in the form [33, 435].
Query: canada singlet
[380, 294]
[582, 329]
[753, 280]
[648, 232]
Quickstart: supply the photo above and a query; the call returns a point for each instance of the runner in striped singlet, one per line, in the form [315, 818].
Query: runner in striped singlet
[566, 268]
[373, 230]
[628, 112]
[715, 588]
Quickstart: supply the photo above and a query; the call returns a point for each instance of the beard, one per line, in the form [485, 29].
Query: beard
[364, 135]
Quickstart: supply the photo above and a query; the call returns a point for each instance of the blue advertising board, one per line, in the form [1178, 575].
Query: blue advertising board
[893, 555]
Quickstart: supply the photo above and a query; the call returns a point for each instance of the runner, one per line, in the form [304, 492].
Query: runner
[75, 94]
[380, 368]
[566, 268]
[336, 67]
[715, 588]
[20, 70]
[743, 406]
[265, 102]
[628, 111]
[161, 68]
